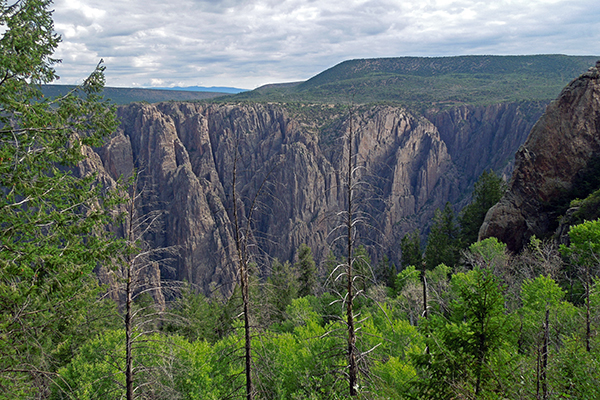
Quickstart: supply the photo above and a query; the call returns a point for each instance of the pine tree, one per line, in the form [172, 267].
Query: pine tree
[410, 246]
[463, 348]
[52, 219]
[307, 271]
[283, 287]
[443, 240]
[488, 190]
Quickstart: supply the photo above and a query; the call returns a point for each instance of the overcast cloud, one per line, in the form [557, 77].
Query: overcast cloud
[248, 43]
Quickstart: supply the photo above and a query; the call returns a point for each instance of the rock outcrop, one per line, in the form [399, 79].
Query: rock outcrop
[291, 175]
[562, 146]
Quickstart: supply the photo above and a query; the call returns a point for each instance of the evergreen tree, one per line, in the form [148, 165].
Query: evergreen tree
[52, 219]
[196, 317]
[465, 350]
[443, 240]
[283, 288]
[488, 190]
[386, 272]
[307, 271]
[410, 247]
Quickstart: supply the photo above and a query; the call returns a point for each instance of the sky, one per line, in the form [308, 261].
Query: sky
[249, 43]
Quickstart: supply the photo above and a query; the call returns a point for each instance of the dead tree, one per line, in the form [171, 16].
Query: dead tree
[243, 236]
[241, 245]
[350, 226]
[138, 275]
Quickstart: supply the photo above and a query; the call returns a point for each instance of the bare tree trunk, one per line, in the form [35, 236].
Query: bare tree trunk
[425, 310]
[243, 271]
[542, 361]
[128, 303]
[133, 262]
[128, 338]
[538, 371]
[588, 333]
[353, 368]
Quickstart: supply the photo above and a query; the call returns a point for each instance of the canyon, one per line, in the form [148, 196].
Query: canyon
[290, 171]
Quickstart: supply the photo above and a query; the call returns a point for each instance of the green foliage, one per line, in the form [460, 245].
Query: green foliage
[470, 347]
[282, 287]
[410, 247]
[196, 317]
[172, 368]
[538, 295]
[443, 246]
[465, 350]
[487, 191]
[587, 209]
[307, 271]
[575, 373]
[385, 272]
[585, 243]
[52, 216]
[407, 277]
[489, 253]
[57, 340]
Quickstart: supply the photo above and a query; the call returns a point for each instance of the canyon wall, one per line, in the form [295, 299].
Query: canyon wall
[562, 148]
[291, 179]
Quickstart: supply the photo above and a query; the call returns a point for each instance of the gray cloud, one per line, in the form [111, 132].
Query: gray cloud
[249, 43]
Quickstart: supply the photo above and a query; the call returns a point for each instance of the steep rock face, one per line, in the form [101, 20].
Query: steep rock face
[480, 138]
[290, 179]
[184, 155]
[564, 142]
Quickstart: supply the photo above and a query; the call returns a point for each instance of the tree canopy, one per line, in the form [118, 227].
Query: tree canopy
[52, 214]
[487, 191]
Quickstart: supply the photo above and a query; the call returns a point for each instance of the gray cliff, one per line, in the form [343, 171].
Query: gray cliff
[561, 147]
[410, 165]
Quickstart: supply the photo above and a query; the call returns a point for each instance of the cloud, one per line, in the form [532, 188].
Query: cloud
[247, 43]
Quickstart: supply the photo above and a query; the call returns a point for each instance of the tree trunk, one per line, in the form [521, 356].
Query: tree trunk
[587, 309]
[425, 311]
[352, 366]
[128, 339]
[542, 361]
[243, 271]
[128, 302]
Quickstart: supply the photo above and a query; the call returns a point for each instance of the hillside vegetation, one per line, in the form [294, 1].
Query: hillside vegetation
[437, 81]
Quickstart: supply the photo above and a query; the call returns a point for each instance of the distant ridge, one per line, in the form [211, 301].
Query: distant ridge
[211, 89]
[554, 65]
[132, 95]
[438, 81]
[415, 82]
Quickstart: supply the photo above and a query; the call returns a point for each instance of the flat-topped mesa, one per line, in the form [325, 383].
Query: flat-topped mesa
[558, 154]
